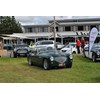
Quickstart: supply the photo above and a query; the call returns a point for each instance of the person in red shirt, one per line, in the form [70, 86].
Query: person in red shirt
[82, 43]
[78, 44]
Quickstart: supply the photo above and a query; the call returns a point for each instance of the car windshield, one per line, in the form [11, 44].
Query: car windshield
[69, 45]
[17, 46]
[44, 42]
[96, 45]
[45, 50]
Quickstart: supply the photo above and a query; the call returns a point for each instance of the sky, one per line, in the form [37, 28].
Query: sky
[32, 20]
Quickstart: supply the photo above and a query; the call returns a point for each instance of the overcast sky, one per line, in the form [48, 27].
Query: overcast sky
[31, 20]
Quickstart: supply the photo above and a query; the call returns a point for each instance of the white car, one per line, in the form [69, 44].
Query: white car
[70, 48]
[47, 43]
[59, 45]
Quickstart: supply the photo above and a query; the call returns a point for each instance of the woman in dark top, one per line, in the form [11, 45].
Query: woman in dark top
[82, 43]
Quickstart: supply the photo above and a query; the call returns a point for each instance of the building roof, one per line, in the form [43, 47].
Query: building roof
[8, 38]
[49, 35]
[76, 20]
[36, 25]
[42, 35]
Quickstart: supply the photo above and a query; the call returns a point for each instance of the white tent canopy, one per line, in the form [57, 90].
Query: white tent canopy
[41, 35]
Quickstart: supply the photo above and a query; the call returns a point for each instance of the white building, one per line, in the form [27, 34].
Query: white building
[66, 30]
[65, 25]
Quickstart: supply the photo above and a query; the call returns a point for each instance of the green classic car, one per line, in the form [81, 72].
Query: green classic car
[48, 58]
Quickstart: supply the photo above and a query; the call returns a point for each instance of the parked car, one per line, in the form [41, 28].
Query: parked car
[59, 45]
[94, 54]
[20, 50]
[48, 43]
[48, 58]
[7, 47]
[70, 48]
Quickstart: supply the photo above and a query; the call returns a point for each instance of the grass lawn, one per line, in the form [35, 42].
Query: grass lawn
[17, 70]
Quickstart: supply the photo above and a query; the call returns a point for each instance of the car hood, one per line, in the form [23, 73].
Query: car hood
[96, 49]
[56, 54]
[66, 48]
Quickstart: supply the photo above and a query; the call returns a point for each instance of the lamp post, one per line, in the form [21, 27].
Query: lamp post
[54, 33]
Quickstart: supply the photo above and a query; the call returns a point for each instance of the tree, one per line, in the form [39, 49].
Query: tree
[9, 25]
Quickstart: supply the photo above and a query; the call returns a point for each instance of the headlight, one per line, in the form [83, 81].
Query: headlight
[52, 58]
[98, 53]
[14, 50]
[71, 56]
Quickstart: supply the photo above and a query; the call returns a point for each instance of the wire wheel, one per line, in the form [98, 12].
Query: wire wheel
[30, 61]
[46, 65]
[93, 58]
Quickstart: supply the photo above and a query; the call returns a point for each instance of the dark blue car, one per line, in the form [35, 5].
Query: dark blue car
[94, 54]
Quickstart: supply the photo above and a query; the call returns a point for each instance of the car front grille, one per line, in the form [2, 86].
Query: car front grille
[22, 51]
[63, 50]
[60, 60]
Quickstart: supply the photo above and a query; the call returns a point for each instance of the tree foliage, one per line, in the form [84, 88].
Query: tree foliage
[9, 25]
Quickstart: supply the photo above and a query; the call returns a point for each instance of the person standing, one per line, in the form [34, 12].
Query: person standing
[82, 43]
[78, 44]
[31, 45]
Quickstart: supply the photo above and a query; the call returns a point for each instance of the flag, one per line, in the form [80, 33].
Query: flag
[92, 36]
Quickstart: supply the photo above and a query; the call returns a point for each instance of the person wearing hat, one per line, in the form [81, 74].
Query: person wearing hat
[31, 45]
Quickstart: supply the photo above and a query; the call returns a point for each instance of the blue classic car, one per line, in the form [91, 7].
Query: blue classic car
[94, 54]
[20, 50]
[48, 58]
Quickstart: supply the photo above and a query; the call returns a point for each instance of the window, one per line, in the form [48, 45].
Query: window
[80, 28]
[47, 42]
[41, 29]
[55, 28]
[92, 26]
[30, 29]
[72, 28]
[67, 28]
[46, 29]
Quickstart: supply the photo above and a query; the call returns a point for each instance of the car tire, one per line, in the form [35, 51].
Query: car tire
[69, 65]
[84, 55]
[46, 64]
[30, 61]
[93, 58]
[15, 55]
[74, 52]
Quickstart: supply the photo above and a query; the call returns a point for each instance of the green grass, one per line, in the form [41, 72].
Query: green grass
[17, 70]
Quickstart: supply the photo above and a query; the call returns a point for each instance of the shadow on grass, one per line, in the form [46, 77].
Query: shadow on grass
[41, 68]
[84, 59]
[96, 80]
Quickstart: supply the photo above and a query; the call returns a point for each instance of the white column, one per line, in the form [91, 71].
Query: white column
[87, 28]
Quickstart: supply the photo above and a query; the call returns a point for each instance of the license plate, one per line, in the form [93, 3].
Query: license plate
[98, 59]
[61, 65]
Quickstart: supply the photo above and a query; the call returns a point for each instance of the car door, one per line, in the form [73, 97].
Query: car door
[38, 59]
[86, 52]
